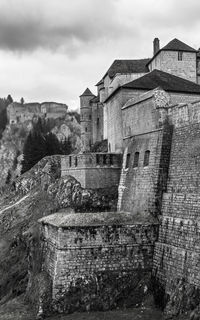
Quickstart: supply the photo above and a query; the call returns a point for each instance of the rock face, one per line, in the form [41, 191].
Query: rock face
[12, 142]
[39, 192]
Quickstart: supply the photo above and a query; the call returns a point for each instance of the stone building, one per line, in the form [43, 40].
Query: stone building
[19, 113]
[149, 111]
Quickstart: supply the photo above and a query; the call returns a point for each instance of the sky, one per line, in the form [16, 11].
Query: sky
[52, 50]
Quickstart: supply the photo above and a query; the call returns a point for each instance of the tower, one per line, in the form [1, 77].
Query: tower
[86, 119]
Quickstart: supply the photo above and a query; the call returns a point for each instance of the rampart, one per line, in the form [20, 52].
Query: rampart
[96, 261]
[176, 259]
[93, 170]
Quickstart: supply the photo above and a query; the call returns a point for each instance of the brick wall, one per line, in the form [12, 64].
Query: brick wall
[107, 256]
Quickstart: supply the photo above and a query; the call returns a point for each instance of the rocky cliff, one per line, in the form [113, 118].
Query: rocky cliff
[13, 138]
[37, 193]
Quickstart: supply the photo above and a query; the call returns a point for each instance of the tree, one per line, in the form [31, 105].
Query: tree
[41, 142]
[9, 99]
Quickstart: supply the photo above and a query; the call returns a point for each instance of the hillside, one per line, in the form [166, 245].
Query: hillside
[37, 193]
[13, 138]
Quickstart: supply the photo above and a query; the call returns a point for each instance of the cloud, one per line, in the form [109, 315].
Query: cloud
[52, 24]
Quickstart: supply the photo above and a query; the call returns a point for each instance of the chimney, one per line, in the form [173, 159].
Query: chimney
[156, 45]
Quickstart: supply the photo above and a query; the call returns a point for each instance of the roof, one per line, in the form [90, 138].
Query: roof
[100, 82]
[95, 99]
[166, 81]
[85, 219]
[177, 45]
[87, 92]
[174, 45]
[128, 66]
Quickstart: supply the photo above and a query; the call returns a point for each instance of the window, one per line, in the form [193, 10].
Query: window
[146, 158]
[97, 121]
[90, 117]
[136, 160]
[104, 159]
[86, 129]
[97, 159]
[70, 161]
[75, 161]
[111, 159]
[180, 55]
[128, 160]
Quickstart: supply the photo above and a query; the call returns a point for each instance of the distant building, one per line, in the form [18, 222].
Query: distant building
[18, 113]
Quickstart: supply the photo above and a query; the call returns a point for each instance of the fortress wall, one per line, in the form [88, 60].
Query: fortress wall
[93, 170]
[96, 267]
[176, 258]
[114, 117]
[181, 97]
[140, 118]
[141, 187]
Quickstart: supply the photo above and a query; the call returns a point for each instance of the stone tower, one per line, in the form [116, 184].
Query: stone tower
[86, 119]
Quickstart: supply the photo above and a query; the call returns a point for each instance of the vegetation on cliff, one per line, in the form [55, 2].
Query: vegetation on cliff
[14, 136]
[38, 192]
[41, 142]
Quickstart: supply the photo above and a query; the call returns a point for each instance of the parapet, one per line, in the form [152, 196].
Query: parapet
[93, 170]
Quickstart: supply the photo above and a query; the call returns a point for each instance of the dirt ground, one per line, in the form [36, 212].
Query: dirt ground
[16, 309]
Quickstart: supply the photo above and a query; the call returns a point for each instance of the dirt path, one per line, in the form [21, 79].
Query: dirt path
[14, 204]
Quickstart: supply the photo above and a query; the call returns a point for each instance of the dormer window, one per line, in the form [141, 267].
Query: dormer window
[180, 55]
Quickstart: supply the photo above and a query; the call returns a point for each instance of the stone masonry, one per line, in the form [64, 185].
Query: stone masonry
[96, 260]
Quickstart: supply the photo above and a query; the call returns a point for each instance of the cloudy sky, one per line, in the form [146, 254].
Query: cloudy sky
[51, 50]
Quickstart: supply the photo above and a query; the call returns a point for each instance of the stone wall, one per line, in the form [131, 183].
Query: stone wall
[96, 261]
[19, 113]
[176, 259]
[114, 117]
[168, 61]
[141, 186]
[93, 170]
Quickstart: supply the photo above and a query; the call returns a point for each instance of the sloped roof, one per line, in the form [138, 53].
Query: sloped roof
[174, 45]
[87, 92]
[127, 66]
[166, 81]
[177, 45]
[95, 99]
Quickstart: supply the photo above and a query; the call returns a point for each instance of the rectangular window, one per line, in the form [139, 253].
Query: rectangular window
[128, 160]
[97, 159]
[136, 160]
[180, 55]
[111, 159]
[70, 161]
[75, 161]
[104, 159]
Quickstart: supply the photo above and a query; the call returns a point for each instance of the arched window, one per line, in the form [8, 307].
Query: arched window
[128, 160]
[136, 159]
[146, 158]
